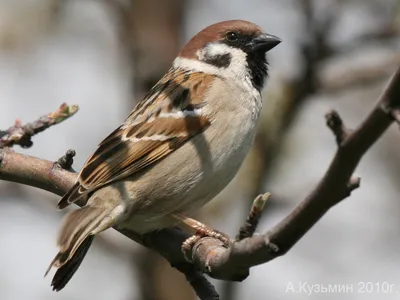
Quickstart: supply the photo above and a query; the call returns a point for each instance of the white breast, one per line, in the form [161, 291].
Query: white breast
[229, 138]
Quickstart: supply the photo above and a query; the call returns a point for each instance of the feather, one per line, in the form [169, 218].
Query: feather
[78, 225]
[64, 274]
[170, 115]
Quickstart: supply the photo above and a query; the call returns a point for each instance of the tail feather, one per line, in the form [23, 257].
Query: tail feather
[74, 240]
[73, 195]
[65, 273]
[77, 225]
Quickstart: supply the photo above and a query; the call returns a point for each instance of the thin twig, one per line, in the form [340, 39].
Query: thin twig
[256, 210]
[335, 123]
[21, 134]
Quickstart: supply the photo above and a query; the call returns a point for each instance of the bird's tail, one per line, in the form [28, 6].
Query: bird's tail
[74, 240]
[65, 273]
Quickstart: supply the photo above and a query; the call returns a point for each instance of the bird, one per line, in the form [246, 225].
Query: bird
[178, 148]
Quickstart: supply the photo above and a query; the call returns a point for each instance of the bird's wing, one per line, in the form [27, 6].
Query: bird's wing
[170, 115]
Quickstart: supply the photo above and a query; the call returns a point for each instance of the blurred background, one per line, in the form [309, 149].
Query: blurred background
[105, 54]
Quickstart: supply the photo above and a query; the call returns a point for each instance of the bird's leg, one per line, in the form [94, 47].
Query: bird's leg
[200, 230]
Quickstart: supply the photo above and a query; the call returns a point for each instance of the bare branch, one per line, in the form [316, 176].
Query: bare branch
[337, 183]
[49, 176]
[21, 134]
[35, 172]
[203, 288]
[209, 254]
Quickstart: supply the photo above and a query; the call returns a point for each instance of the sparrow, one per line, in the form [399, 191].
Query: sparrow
[179, 147]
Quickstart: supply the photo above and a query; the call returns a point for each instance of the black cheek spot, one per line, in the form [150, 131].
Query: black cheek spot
[220, 61]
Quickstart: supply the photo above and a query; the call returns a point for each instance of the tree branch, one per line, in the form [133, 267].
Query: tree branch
[21, 134]
[233, 263]
[49, 176]
[209, 254]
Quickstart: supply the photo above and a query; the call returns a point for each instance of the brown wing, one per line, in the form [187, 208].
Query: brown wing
[170, 115]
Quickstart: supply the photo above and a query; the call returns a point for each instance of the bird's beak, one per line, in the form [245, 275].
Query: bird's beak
[264, 42]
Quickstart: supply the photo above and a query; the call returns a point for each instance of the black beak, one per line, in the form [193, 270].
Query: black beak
[264, 42]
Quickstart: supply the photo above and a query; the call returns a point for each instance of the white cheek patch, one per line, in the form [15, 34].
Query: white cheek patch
[213, 49]
[195, 66]
[237, 67]
[237, 71]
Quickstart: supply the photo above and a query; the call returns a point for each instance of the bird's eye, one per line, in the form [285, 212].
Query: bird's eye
[232, 36]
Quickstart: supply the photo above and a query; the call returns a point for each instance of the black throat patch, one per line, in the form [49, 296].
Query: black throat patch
[258, 66]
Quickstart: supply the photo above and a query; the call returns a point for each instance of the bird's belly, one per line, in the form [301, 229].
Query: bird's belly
[194, 175]
[225, 166]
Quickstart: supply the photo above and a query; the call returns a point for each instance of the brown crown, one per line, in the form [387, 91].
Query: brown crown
[217, 32]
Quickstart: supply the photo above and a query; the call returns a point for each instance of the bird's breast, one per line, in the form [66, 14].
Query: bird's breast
[196, 172]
